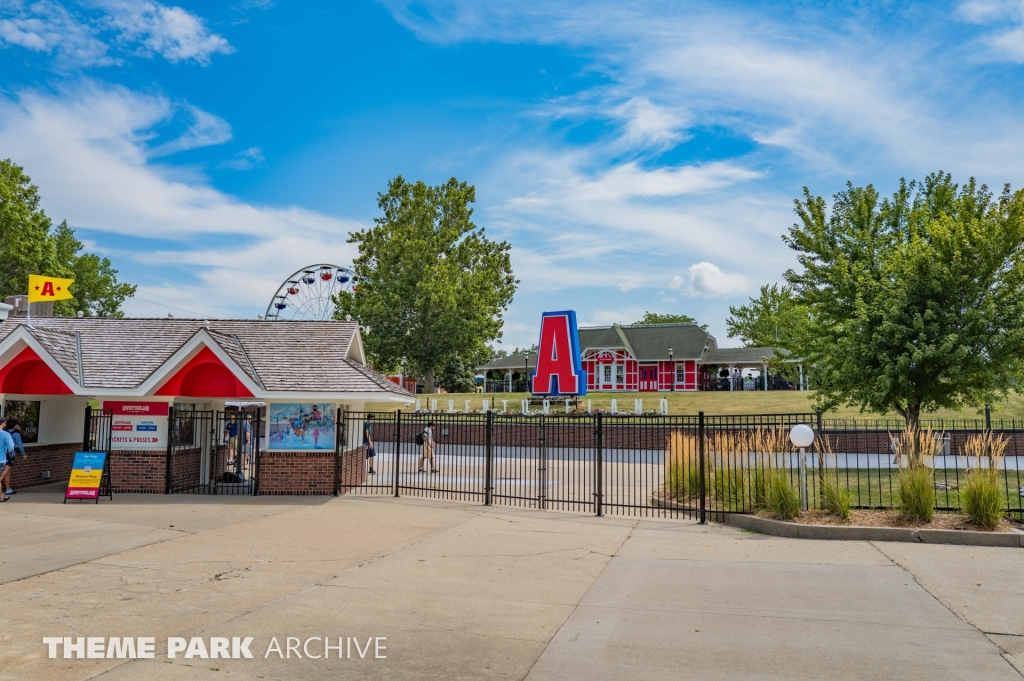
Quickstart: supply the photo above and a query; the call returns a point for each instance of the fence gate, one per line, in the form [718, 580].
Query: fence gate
[97, 438]
[214, 452]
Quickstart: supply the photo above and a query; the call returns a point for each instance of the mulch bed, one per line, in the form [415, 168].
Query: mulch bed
[941, 521]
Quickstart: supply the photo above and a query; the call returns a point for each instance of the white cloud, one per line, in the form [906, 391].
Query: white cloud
[707, 280]
[141, 26]
[86, 150]
[205, 130]
[49, 27]
[244, 160]
[1005, 43]
[171, 32]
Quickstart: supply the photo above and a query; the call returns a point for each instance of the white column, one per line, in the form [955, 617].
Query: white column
[764, 374]
[731, 381]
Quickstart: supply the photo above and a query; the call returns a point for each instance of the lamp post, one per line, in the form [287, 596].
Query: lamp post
[802, 436]
[404, 384]
[672, 364]
[526, 364]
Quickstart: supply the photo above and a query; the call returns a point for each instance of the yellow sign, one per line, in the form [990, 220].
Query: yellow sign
[42, 289]
[89, 477]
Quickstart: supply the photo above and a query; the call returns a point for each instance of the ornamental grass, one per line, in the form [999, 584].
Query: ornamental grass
[915, 485]
[980, 494]
[835, 498]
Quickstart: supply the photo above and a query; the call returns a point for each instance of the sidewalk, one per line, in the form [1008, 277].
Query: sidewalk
[467, 592]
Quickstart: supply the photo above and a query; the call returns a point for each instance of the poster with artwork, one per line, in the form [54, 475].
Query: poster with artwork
[27, 415]
[302, 426]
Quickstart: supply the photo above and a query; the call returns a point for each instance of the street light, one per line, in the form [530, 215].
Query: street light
[526, 364]
[802, 436]
[673, 366]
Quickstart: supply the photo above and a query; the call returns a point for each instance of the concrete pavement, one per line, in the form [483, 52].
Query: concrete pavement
[466, 592]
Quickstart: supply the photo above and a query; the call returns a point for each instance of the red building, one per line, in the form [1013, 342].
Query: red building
[649, 358]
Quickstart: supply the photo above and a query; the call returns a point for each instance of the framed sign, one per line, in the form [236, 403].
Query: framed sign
[88, 477]
[301, 426]
[138, 425]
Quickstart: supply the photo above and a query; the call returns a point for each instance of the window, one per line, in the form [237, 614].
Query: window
[620, 374]
[680, 373]
[607, 372]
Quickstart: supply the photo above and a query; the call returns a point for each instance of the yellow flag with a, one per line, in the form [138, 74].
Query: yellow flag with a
[42, 289]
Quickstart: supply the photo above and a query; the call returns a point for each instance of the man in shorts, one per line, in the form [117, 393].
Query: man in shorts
[231, 439]
[7, 459]
[427, 451]
[371, 453]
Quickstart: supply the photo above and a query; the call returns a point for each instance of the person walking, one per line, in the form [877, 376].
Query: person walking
[231, 439]
[7, 456]
[427, 451]
[371, 453]
[14, 429]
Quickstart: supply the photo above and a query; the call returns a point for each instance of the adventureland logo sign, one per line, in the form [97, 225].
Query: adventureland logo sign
[138, 425]
[559, 365]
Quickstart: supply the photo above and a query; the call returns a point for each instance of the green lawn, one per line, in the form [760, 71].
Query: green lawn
[771, 402]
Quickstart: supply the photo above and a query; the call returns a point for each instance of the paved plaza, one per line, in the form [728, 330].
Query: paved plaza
[461, 591]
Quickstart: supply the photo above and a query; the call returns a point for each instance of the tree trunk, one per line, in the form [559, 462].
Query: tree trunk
[428, 380]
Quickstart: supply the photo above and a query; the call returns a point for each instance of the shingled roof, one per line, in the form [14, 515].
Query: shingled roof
[278, 356]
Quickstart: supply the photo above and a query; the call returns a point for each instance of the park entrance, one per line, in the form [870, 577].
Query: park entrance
[214, 452]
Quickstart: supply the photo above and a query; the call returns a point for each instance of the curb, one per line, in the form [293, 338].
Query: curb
[780, 528]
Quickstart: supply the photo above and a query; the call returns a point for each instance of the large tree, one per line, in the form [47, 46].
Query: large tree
[659, 318]
[774, 319]
[915, 302]
[430, 286]
[29, 244]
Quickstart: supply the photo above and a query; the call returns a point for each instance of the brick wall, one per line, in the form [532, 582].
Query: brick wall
[309, 473]
[54, 458]
[138, 471]
[185, 465]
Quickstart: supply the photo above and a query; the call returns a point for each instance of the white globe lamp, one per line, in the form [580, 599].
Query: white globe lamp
[802, 435]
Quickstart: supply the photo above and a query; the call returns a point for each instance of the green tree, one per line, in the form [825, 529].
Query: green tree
[657, 318]
[30, 245]
[774, 319]
[915, 302]
[431, 287]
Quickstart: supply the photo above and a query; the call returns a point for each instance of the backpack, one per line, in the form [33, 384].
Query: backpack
[419, 438]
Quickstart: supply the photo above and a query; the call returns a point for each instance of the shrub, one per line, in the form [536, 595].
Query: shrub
[915, 493]
[682, 470]
[783, 499]
[982, 499]
[915, 484]
[980, 494]
[835, 498]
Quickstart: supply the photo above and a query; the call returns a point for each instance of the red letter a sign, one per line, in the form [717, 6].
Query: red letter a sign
[559, 369]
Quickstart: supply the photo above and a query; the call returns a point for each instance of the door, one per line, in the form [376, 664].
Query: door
[648, 378]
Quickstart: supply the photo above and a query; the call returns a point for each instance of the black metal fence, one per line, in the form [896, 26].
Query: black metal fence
[214, 452]
[665, 466]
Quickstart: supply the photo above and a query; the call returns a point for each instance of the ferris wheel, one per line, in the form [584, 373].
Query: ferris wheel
[309, 293]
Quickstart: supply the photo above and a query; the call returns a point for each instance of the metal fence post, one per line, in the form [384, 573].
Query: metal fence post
[599, 462]
[257, 430]
[398, 446]
[542, 488]
[489, 458]
[170, 448]
[819, 420]
[700, 450]
[337, 451]
[86, 430]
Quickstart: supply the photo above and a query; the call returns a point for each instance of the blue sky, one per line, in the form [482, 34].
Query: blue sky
[637, 156]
